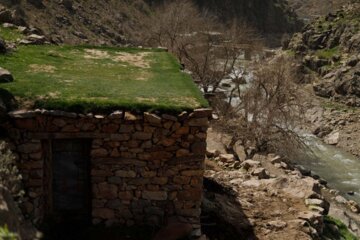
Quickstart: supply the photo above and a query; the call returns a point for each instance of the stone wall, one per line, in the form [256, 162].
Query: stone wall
[145, 168]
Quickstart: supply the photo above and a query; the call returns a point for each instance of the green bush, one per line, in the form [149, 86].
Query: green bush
[335, 229]
[5, 234]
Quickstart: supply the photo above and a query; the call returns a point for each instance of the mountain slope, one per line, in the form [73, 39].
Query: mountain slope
[310, 9]
[82, 21]
[118, 22]
[330, 46]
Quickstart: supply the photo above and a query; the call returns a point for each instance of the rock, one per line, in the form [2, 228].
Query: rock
[2, 46]
[6, 15]
[332, 138]
[198, 148]
[5, 76]
[354, 206]
[277, 224]
[152, 119]
[227, 158]
[284, 165]
[116, 115]
[276, 159]
[315, 219]
[100, 152]
[253, 183]
[303, 170]
[125, 174]
[211, 153]
[202, 113]
[240, 151]
[159, 196]
[199, 122]
[103, 213]
[314, 202]
[317, 209]
[29, 148]
[33, 39]
[352, 62]
[340, 199]
[261, 173]
[250, 164]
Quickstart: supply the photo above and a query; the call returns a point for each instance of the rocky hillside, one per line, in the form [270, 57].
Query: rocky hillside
[273, 18]
[118, 22]
[330, 48]
[79, 21]
[311, 9]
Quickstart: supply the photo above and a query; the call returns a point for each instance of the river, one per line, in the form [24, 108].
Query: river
[339, 168]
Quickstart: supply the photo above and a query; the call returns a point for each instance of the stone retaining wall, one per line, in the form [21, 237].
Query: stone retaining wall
[145, 169]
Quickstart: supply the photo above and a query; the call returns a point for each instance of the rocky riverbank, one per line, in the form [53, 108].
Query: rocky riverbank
[273, 199]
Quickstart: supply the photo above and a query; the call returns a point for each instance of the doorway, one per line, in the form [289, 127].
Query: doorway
[71, 185]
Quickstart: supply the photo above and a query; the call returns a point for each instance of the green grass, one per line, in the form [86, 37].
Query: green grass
[85, 78]
[337, 106]
[9, 34]
[327, 53]
[343, 232]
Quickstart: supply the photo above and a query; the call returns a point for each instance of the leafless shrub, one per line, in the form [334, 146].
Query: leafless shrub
[269, 110]
[266, 113]
[208, 49]
[9, 173]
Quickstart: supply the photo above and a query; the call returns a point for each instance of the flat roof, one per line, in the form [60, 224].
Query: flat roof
[86, 78]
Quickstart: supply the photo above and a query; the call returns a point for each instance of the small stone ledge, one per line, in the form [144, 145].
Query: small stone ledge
[149, 117]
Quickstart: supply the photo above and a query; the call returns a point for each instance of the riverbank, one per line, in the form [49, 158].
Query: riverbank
[298, 205]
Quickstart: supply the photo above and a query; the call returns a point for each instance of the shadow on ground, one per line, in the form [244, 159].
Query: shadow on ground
[222, 215]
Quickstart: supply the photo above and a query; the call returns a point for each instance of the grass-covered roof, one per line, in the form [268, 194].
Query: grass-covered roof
[83, 78]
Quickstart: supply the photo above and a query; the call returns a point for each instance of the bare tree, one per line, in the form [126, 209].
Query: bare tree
[208, 49]
[269, 110]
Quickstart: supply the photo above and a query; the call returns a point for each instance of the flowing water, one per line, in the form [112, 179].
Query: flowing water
[340, 169]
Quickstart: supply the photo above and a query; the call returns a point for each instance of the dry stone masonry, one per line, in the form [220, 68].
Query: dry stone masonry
[144, 168]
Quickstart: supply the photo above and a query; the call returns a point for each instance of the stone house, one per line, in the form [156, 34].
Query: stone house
[121, 168]
[139, 167]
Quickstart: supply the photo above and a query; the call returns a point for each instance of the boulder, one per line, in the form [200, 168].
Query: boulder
[276, 159]
[5, 15]
[5, 76]
[250, 164]
[261, 173]
[227, 158]
[340, 199]
[332, 138]
[33, 39]
[240, 151]
[277, 225]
